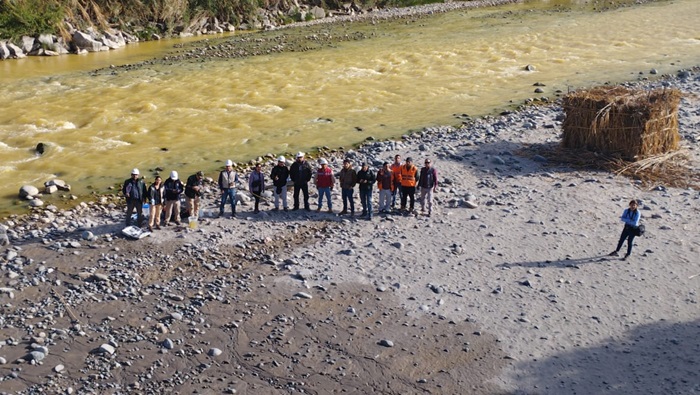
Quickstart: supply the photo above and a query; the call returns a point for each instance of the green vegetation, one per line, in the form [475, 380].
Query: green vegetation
[18, 17]
[32, 17]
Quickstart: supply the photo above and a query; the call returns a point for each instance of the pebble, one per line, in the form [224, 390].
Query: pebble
[176, 316]
[214, 352]
[58, 368]
[303, 295]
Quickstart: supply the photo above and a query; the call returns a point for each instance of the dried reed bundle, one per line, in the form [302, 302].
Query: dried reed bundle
[671, 169]
[624, 123]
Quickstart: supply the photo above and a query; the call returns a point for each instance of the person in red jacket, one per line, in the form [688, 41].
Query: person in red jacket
[324, 182]
[386, 182]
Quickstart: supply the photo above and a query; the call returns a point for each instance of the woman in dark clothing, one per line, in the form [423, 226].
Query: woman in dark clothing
[256, 185]
[631, 218]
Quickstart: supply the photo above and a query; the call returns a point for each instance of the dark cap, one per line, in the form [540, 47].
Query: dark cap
[385, 164]
[364, 164]
[409, 159]
[346, 161]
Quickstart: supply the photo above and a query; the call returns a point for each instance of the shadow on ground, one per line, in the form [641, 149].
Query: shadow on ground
[662, 355]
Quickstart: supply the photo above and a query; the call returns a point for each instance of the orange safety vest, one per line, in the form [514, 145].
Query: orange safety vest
[408, 175]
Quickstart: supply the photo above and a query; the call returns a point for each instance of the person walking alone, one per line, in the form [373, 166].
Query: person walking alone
[256, 185]
[630, 217]
[427, 182]
[279, 175]
[228, 178]
[348, 179]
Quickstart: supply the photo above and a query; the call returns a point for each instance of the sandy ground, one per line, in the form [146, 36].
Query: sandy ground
[515, 296]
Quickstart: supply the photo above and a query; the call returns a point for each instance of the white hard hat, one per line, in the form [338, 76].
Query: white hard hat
[300, 154]
[173, 175]
[229, 162]
[135, 171]
[323, 161]
[281, 159]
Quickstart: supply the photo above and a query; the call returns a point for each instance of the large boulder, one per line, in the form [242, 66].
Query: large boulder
[61, 47]
[4, 51]
[318, 12]
[115, 37]
[28, 191]
[128, 38]
[109, 43]
[86, 42]
[15, 51]
[28, 44]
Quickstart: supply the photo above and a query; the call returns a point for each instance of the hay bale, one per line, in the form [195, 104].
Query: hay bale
[624, 123]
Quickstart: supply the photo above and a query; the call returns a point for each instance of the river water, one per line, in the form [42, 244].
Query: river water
[193, 116]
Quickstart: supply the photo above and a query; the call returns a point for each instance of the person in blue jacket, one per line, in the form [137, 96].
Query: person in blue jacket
[631, 218]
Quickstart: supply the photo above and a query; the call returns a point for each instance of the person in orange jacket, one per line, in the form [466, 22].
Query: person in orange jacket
[409, 179]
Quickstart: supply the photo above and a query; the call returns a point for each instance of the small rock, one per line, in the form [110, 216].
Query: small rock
[176, 316]
[214, 352]
[303, 295]
[107, 349]
[386, 343]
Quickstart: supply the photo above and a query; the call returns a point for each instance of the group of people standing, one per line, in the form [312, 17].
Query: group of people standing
[395, 181]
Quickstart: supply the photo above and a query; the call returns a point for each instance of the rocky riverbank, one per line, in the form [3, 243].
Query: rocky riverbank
[92, 39]
[506, 289]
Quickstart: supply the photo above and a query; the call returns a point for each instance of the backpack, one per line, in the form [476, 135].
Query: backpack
[639, 230]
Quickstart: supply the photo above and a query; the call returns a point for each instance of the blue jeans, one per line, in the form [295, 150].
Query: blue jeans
[366, 200]
[628, 233]
[226, 195]
[348, 197]
[327, 192]
[398, 192]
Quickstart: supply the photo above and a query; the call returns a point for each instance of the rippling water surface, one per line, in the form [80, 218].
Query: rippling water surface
[410, 75]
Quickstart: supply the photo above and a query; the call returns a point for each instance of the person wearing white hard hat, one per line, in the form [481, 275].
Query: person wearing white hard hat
[300, 173]
[134, 190]
[228, 178]
[324, 182]
[173, 190]
[279, 175]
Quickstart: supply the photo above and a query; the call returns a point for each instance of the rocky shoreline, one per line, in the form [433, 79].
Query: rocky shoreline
[95, 40]
[506, 289]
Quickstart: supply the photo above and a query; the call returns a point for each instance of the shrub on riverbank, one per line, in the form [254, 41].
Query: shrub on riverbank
[18, 17]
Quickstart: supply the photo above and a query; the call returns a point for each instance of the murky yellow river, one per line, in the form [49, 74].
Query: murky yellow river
[410, 75]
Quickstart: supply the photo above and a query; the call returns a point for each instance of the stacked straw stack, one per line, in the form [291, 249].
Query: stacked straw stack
[624, 123]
